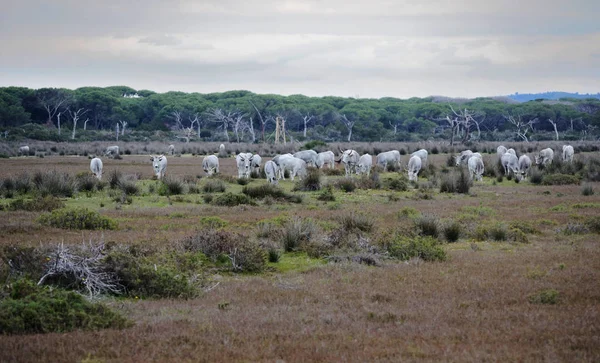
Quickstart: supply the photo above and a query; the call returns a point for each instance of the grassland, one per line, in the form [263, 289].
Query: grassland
[490, 300]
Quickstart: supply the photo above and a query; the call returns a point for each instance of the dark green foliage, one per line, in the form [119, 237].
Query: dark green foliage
[559, 179]
[32, 309]
[332, 172]
[128, 187]
[296, 232]
[456, 182]
[587, 190]
[214, 186]
[274, 255]
[314, 145]
[46, 204]
[548, 296]
[22, 261]
[435, 150]
[87, 183]
[369, 182]
[356, 221]
[171, 186]
[498, 232]
[399, 183]
[428, 225]
[312, 181]
[268, 190]
[452, 231]
[535, 176]
[114, 178]
[593, 223]
[451, 160]
[242, 181]
[427, 248]
[54, 183]
[326, 195]
[346, 184]
[525, 227]
[230, 199]
[78, 218]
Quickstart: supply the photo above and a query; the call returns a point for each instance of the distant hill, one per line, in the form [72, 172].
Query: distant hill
[524, 97]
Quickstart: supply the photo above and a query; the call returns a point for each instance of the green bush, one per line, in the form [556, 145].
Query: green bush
[265, 190]
[593, 223]
[243, 181]
[452, 231]
[548, 296]
[332, 172]
[326, 195]
[428, 225]
[214, 186]
[22, 261]
[400, 183]
[128, 187]
[587, 190]
[171, 186]
[296, 232]
[46, 204]
[87, 182]
[346, 184]
[525, 227]
[559, 179]
[212, 222]
[32, 309]
[456, 182]
[114, 178]
[312, 181]
[426, 248]
[369, 182]
[230, 200]
[498, 232]
[78, 218]
[54, 183]
[313, 144]
[535, 176]
[356, 221]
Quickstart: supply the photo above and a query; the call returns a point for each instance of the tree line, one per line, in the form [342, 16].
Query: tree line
[95, 113]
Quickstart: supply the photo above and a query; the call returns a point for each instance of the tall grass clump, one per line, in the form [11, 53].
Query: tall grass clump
[424, 247]
[326, 195]
[214, 186]
[78, 218]
[231, 199]
[455, 182]
[399, 183]
[114, 178]
[171, 186]
[296, 232]
[428, 225]
[452, 231]
[54, 183]
[369, 182]
[346, 184]
[46, 204]
[87, 183]
[536, 176]
[356, 221]
[587, 190]
[312, 181]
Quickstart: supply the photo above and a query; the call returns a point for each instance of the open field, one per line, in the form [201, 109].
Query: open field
[477, 305]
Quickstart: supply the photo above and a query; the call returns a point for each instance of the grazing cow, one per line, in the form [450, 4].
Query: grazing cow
[568, 153]
[476, 167]
[309, 156]
[295, 167]
[524, 166]
[326, 157]
[386, 158]
[24, 150]
[365, 163]
[510, 163]
[96, 167]
[350, 159]
[501, 150]
[422, 153]
[272, 172]
[277, 160]
[463, 157]
[243, 164]
[210, 164]
[171, 149]
[414, 166]
[112, 151]
[222, 153]
[544, 157]
[159, 164]
[255, 162]
[512, 151]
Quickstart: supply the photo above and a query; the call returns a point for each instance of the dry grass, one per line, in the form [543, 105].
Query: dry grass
[473, 307]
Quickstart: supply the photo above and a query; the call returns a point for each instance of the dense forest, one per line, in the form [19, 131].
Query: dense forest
[94, 113]
[524, 97]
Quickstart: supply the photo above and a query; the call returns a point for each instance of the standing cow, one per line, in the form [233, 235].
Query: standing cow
[524, 166]
[272, 172]
[414, 166]
[24, 150]
[501, 150]
[386, 158]
[159, 164]
[243, 164]
[365, 163]
[210, 165]
[294, 166]
[96, 167]
[326, 157]
[567, 154]
[350, 159]
[422, 153]
[255, 162]
[112, 151]
[544, 157]
[510, 163]
[309, 156]
[171, 149]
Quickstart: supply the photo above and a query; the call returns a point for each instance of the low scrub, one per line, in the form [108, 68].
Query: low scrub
[230, 200]
[311, 183]
[455, 182]
[214, 186]
[587, 190]
[296, 232]
[399, 183]
[31, 309]
[427, 248]
[326, 195]
[535, 176]
[332, 172]
[428, 225]
[267, 190]
[78, 218]
[54, 183]
[45, 204]
[356, 221]
[548, 296]
[560, 179]
[171, 186]
[452, 231]
[346, 184]
[370, 182]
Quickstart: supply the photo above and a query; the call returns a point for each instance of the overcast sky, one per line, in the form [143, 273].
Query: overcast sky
[360, 48]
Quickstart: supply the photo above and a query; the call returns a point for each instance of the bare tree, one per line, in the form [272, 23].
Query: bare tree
[349, 123]
[185, 131]
[553, 123]
[117, 133]
[306, 118]
[522, 126]
[465, 119]
[249, 126]
[52, 101]
[58, 122]
[238, 124]
[85, 124]
[75, 116]
[123, 126]
[453, 122]
[225, 118]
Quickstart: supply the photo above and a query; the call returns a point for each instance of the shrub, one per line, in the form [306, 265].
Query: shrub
[242, 181]
[574, 228]
[326, 195]
[409, 212]
[114, 179]
[128, 187]
[312, 181]
[587, 190]
[230, 200]
[428, 225]
[47, 204]
[456, 182]
[54, 183]
[548, 296]
[332, 172]
[356, 221]
[171, 186]
[498, 232]
[524, 226]
[264, 190]
[78, 218]
[559, 179]
[426, 248]
[346, 184]
[214, 186]
[593, 223]
[297, 231]
[32, 309]
[400, 183]
[452, 231]
[22, 261]
[213, 222]
[314, 144]
[369, 182]
[86, 183]
[535, 176]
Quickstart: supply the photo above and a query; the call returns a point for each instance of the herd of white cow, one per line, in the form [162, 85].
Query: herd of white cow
[296, 164]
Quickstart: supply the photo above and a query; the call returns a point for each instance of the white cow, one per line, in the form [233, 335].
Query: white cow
[524, 166]
[365, 163]
[159, 164]
[210, 164]
[171, 149]
[277, 160]
[243, 164]
[24, 150]
[255, 162]
[476, 167]
[272, 172]
[414, 166]
[295, 167]
[309, 156]
[422, 153]
[463, 157]
[568, 153]
[510, 163]
[512, 151]
[386, 158]
[222, 152]
[112, 151]
[545, 157]
[326, 157]
[96, 167]
[501, 150]
[350, 159]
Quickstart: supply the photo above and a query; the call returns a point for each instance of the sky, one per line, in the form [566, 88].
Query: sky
[348, 48]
